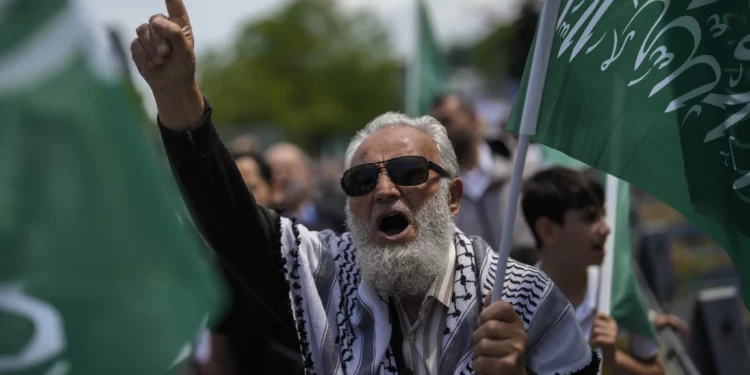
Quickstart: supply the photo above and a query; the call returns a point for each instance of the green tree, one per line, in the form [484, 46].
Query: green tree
[501, 53]
[311, 69]
[522, 37]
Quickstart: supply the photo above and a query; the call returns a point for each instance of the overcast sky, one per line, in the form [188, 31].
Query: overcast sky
[216, 22]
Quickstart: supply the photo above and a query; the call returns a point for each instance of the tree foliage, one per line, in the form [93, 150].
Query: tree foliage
[311, 69]
[502, 53]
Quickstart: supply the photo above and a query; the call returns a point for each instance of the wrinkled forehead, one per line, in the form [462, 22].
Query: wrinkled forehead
[394, 141]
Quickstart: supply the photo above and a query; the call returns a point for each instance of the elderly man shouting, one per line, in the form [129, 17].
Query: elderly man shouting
[405, 291]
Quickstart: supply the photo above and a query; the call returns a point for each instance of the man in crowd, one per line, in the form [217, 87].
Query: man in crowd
[565, 210]
[245, 143]
[257, 175]
[293, 181]
[486, 167]
[405, 291]
[295, 190]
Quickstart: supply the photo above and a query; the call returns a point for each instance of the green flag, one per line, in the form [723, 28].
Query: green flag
[100, 270]
[628, 305]
[657, 93]
[427, 74]
[552, 157]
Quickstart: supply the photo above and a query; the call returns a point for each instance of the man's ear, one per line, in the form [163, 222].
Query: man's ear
[457, 191]
[547, 230]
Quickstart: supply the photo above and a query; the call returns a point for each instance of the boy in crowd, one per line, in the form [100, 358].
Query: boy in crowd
[565, 211]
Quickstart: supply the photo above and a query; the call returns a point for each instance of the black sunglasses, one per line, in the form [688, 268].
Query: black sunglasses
[403, 171]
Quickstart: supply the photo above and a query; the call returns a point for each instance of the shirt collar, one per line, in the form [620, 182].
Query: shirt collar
[588, 306]
[442, 287]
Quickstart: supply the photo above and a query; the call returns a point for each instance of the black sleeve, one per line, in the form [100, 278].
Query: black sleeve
[244, 235]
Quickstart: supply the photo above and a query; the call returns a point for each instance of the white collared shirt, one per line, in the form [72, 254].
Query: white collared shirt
[423, 340]
[478, 179]
[639, 346]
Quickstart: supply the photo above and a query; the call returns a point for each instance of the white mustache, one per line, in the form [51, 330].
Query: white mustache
[381, 208]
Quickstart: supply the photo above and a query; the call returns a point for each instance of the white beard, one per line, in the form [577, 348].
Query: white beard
[405, 270]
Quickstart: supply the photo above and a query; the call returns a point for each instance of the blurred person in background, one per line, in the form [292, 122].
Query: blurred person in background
[292, 181]
[660, 321]
[331, 199]
[295, 191]
[486, 167]
[565, 210]
[257, 174]
[245, 143]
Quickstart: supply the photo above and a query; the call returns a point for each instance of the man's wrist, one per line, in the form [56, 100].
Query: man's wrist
[180, 109]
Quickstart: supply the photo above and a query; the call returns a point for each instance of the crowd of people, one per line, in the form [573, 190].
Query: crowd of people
[566, 207]
[385, 262]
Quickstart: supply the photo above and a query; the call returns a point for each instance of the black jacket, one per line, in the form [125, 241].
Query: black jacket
[246, 238]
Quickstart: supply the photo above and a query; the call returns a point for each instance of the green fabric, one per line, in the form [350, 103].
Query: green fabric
[628, 305]
[428, 71]
[656, 93]
[101, 271]
[552, 157]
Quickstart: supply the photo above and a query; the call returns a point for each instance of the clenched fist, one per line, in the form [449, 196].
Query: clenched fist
[164, 54]
[500, 341]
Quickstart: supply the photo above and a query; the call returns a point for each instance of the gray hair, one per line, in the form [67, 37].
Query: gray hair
[427, 124]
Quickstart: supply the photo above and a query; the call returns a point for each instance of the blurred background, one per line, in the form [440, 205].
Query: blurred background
[323, 48]
[312, 72]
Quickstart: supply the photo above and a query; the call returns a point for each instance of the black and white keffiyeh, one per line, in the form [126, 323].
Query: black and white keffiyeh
[344, 326]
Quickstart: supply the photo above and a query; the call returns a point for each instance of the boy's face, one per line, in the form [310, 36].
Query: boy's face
[581, 238]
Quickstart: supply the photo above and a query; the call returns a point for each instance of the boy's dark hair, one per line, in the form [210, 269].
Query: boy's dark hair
[552, 192]
[525, 254]
[263, 167]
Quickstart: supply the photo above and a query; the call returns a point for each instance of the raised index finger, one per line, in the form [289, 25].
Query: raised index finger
[176, 9]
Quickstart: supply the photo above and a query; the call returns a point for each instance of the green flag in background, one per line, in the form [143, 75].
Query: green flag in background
[657, 93]
[628, 305]
[100, 272]
[427, 74]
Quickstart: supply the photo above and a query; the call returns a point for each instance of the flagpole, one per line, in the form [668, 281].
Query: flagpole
[412, 69]
[529, 119]
[605, 282]
[604, 300]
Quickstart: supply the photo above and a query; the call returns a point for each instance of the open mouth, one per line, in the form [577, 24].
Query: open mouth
[393, 223]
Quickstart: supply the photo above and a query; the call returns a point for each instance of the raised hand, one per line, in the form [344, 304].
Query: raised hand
[164, 54]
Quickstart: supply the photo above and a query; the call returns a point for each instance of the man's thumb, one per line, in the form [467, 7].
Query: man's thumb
[170, 31]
